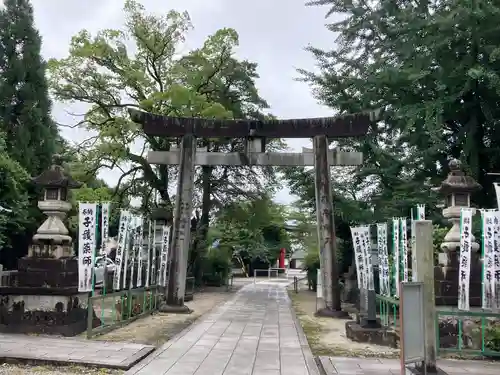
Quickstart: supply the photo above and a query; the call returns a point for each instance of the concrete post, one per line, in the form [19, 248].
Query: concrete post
[181, 237]
[326, 231]
[425, 264]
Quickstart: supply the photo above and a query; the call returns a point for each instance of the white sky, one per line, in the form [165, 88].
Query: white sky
[272, 33]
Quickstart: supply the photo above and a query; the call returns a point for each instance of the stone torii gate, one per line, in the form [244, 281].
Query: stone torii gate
[255, 132]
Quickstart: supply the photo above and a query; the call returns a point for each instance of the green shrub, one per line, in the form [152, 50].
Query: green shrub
[217, 267]
[492, 338]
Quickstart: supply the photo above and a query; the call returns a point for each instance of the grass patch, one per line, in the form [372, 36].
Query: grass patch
[326, 336]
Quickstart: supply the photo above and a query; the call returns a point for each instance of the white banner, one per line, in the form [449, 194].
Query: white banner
[496, 258]
[488, 297]
[413, 244]
[365, 240]
[421, 212]
[497, 191]
[148, 250]
[395, 253]
[154, 257]
[127, 249]
[383, 255]
[465, 255]
[134, 249]
[403, 247]
[120, 249]
[164, 255]
[104, 225]
[87, 213]
[358, 255]
[141, 252]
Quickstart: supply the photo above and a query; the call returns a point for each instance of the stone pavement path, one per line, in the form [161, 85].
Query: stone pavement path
[255, 333]
[51, 350]
[379, 366]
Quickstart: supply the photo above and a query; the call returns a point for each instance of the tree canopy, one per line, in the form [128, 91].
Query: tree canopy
[30, 134]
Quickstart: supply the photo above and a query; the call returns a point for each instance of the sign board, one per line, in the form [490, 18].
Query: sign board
[411, 315]
[319, 285]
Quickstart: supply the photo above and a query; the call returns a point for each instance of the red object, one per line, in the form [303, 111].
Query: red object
[282, 258]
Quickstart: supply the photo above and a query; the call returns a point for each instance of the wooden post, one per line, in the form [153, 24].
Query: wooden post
[326, 231]
[425, 265]
[181, 237]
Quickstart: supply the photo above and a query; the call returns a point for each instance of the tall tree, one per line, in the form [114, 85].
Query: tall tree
[433, 66]
[24, 100]
[208, 82]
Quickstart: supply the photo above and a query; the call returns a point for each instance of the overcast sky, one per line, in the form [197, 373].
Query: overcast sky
[273, 33]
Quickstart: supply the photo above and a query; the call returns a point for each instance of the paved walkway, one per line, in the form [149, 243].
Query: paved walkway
[378, 366]
[253, 334]
[51, 350]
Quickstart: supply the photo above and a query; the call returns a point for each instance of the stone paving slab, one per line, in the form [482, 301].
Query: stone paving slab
[380, 366]
[255, 333]
[50, 350]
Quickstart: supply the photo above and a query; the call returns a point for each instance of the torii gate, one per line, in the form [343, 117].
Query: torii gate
[255, 132]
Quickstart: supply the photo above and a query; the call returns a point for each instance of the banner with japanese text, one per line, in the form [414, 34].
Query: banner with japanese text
[395, 254]
[365, 240]
[164, 256]
[121, 246]
[403, 246]
[496, 259]
[358, 255]
[148, 250]
[383, 255]
[140, 246]
[465, 255]
[420, 212]
[87, 213]
[488, 226]
[104, 225]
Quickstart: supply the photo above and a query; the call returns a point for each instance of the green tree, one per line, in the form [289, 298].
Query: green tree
[25, 118]
[434, 67]
[254, 230]
[208, 82]
[14, 199]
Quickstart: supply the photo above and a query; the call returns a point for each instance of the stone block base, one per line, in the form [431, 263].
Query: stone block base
[53, 314]
[379, 336]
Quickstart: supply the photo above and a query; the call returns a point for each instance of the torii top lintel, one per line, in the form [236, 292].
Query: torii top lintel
[352, 125]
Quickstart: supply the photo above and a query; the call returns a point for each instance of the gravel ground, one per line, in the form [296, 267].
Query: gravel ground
[13, 369]
[326, 336]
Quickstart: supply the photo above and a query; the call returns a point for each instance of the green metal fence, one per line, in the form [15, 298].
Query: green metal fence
[469, 333]
[388, 310]
[109, 311]
[464, 333]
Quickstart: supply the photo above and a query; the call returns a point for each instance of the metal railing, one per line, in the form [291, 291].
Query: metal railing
[107, 312]
[470, 333]
[296, 281]
[388, 310]
[7, 278]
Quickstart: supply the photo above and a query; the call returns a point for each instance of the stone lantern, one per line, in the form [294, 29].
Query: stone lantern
[52, 239]
[44, 298]
[457, 189]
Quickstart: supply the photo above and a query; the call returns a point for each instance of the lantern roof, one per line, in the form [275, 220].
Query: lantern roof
[457, 181]
[56, 177]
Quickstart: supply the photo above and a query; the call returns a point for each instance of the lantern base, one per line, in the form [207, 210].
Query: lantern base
[174, 309]
[329, 313]
[50, 311]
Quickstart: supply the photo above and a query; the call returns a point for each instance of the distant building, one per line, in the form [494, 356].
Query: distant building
[297, 259]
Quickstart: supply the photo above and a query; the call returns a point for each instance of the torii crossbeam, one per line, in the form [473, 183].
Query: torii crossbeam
[353, 125]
